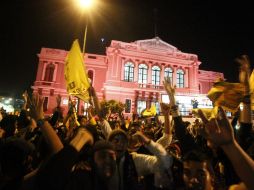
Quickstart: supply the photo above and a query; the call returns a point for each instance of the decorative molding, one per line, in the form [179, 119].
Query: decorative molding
[155, 44]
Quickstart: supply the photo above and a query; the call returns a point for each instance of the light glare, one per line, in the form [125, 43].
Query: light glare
[85, 3]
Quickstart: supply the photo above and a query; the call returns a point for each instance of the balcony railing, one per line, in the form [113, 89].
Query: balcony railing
[45, 83]
[150, 86]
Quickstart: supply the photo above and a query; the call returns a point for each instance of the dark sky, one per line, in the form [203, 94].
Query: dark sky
[217, 32]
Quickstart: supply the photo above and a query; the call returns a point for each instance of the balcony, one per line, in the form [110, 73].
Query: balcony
[150, 86]
[44, 83]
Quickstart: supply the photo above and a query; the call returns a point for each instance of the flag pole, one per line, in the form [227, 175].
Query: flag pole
[83, 54]
[84, 47]
[85, 34]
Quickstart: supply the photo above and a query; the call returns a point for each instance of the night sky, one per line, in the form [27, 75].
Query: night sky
[217, 32]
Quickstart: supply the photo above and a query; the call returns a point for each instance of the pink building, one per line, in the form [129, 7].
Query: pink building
[131, 73]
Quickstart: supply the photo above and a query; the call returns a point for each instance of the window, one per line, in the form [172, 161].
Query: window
[49, 73]
[168, 72]
[179, 78]
[142, 73]
[129, 72]
[141, 106]
[127, 106]
[156, 75]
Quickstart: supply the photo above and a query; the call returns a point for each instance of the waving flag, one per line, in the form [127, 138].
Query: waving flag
[208, 112]
[75, 73]
[251, 82]
[227, 95]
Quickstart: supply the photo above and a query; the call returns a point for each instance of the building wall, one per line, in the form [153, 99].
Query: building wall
[108, 72]
[206, 80]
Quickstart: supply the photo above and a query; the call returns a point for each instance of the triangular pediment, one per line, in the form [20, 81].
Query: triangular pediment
[155, 44]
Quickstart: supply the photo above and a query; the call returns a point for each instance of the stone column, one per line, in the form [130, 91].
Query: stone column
[162, 73]
[122, 62]
[195, 73]
[149, 73]
[174, 74]
[136, 63]
[186, 77]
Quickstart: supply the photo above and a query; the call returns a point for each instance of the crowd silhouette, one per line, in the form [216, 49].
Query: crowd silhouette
[91, 151]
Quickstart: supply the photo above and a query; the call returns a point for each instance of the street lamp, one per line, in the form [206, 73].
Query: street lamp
[85, 5]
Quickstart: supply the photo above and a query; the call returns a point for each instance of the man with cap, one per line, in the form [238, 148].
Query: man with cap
[131, 166]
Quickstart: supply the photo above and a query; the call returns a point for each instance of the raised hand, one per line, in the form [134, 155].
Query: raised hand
[165, 108]
[36, 107]
[81, 138]
[244, 73]
[25, 96]
[170, 89]
[142, 137]
[244, 77]
[218, 130]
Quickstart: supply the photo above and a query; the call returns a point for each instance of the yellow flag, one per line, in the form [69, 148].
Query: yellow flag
[251, 83]
[208, 112]
[150, 112]
[75, 73]
[227, 95]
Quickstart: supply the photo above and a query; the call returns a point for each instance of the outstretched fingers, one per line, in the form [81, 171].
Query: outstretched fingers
[202, 116]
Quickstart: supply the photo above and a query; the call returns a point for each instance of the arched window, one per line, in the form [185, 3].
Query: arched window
[90, 75]
[180, 78]
[168, 72]
[49, 73]
[129, 72]
[142, 73]
[156, 75]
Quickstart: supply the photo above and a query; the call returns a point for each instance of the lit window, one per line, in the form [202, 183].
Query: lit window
[168, 72]
[141, 105]
[129, 72]
[142, 73]
[156, 75]
[180, 78]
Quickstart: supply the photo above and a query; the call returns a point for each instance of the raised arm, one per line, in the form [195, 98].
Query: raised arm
[105, 127]
[244, 75]
[95, 101]
[48, 132]
[186, 140]
[220, 132]
[147, 164]
[166, 139]
[25, 97]
[170, 89]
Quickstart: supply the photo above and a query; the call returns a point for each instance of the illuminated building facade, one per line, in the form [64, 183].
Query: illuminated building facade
[132, 73]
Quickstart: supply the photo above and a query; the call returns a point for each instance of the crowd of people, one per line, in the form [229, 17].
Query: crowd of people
[94, 152]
